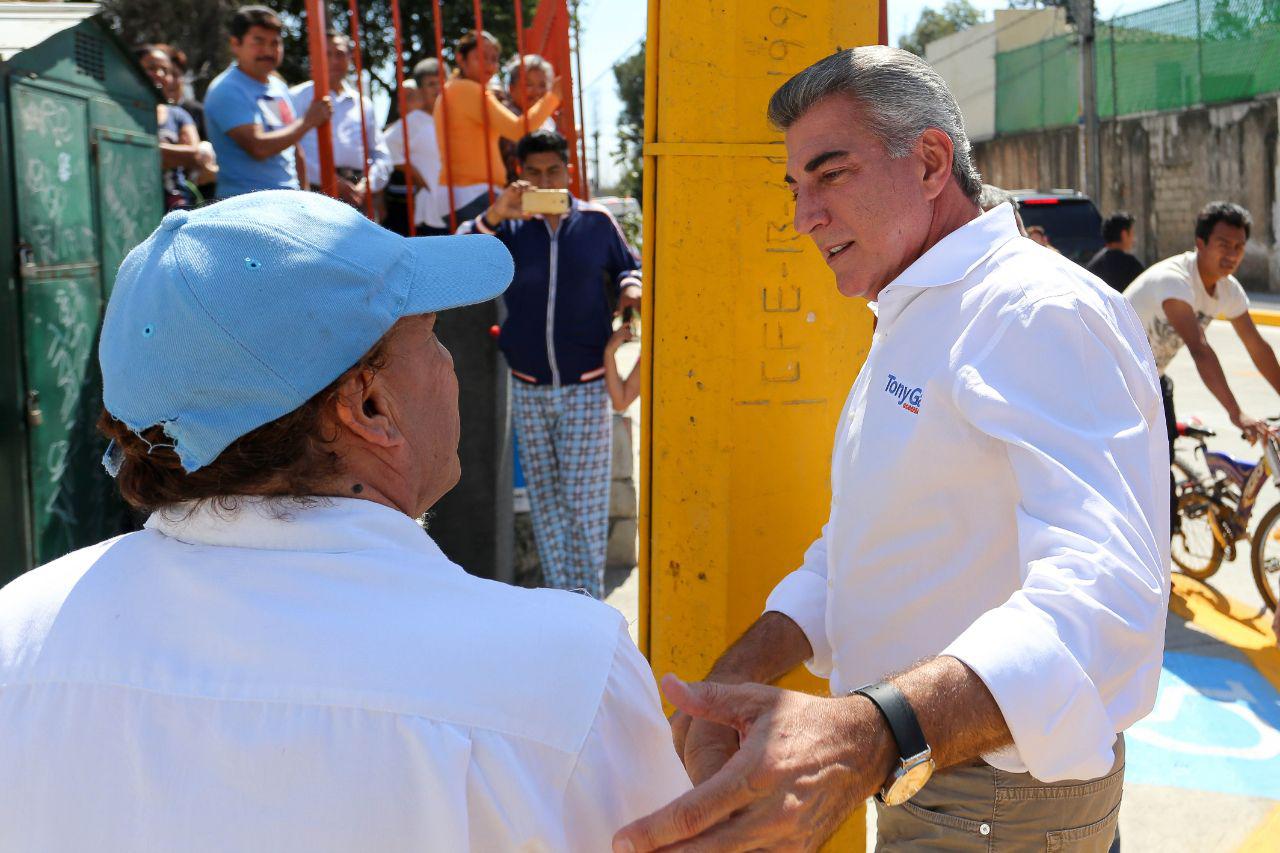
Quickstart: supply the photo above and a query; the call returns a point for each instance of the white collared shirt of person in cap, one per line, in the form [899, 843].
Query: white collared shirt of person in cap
[266, 673]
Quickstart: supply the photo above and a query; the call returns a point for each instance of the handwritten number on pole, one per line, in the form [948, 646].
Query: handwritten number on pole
[779, 48]
[779, 16]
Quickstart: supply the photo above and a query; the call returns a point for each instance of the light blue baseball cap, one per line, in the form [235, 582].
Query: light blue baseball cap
[233, 315]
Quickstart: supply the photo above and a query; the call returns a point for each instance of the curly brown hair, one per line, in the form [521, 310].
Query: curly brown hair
[289, 457]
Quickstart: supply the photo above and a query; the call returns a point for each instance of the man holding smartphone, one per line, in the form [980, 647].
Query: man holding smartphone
[572, 265]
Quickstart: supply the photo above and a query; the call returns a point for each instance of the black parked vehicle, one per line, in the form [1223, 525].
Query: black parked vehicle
[1069, 218]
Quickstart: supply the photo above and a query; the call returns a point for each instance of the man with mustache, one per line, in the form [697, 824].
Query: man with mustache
[249, 112]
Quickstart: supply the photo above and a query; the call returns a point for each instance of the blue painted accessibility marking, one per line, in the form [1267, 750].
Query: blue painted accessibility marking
[1215, 727]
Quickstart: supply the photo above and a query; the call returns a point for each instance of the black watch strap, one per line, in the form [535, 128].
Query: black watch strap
[900, 716]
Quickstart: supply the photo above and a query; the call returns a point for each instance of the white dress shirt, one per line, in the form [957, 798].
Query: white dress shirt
[315, 679]
[348, 144]
[1000, 494]
[424, 153]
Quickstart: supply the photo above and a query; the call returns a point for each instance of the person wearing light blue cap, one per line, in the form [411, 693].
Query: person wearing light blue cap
[283, 658]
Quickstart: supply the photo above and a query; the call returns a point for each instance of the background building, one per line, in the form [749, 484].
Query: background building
[1187, 95]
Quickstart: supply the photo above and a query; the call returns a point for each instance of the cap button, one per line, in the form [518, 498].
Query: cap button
[175, 220]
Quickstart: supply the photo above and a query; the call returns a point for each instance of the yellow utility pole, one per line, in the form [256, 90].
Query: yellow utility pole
[749, 350]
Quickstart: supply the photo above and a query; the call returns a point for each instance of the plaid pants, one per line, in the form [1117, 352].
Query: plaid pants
[565, 450]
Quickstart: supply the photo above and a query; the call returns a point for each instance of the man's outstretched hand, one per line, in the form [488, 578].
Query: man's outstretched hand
[804, 764]
[1253, 429]
[702, 745]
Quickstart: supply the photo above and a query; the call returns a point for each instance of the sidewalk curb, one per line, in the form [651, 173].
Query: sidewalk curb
[1265, 316]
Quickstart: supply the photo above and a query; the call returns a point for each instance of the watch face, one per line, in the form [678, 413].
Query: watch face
[907, 783]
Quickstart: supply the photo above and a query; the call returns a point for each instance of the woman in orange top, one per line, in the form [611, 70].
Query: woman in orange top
[465, 100]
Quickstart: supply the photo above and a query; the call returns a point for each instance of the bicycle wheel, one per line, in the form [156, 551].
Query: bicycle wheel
[1266, 556]
[1195, 550]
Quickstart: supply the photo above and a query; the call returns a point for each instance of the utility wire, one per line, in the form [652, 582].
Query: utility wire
[617, 60]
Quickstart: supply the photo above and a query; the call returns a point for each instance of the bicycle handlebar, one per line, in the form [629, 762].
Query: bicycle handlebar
[1189, 431]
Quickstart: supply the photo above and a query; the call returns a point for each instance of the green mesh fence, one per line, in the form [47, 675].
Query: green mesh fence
[1038, 86]
[1172, 56]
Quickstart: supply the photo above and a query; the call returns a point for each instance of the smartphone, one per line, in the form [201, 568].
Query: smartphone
[545, 201]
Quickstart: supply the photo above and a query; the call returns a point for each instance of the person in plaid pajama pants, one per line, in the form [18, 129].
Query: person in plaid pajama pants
[565, 450]
[569, 268]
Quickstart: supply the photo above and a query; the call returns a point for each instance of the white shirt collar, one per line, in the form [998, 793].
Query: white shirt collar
[329, 525]
[1193, 272]
[953, 257]
[344, 91]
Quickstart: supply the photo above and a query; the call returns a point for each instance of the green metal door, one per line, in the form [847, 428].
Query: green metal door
[61, 296]
[130, 197]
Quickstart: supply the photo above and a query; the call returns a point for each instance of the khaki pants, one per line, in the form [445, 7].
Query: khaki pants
[979, 808]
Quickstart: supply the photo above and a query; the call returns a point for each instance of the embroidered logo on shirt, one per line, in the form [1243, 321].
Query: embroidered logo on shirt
[908, 398]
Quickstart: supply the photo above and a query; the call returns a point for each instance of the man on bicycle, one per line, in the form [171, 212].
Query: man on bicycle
[1176, 298]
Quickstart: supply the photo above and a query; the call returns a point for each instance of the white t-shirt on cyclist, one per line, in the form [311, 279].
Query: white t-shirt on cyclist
[1179, 278]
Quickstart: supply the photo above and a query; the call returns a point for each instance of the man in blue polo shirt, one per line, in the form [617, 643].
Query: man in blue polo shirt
[249, 114]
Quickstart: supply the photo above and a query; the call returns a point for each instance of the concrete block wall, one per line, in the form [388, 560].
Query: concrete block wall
[1163, 167]
[623, 499]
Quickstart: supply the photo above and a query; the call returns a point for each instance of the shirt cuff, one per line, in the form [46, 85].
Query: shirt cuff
[1061, 729]
[482, 226]
[802, 597]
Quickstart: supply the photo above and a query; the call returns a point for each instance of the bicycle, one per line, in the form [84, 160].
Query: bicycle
[1215, 511]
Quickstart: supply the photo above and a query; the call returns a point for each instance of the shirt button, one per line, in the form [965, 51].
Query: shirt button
[985, 829]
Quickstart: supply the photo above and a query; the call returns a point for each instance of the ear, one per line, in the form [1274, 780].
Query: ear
[1201, 245]
[363, 409]
[935, 155]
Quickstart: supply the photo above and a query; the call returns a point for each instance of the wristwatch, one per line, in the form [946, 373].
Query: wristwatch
[915, 766]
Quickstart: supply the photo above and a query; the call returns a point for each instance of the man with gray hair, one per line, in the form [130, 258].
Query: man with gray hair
[988, 594]
[523, 91]
[528, 87]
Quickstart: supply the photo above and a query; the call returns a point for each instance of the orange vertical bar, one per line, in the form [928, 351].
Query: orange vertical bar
[404, 118]
[364, 131]
[524, 89]
[444, 117]
[484, 104]
[319, 54]
[884, 22]
[553, 30]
